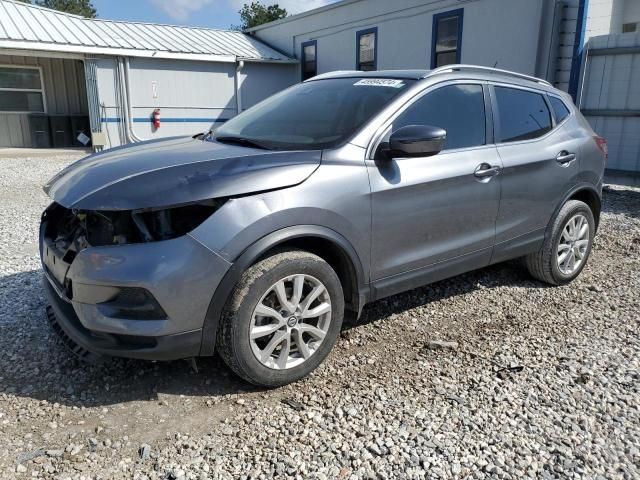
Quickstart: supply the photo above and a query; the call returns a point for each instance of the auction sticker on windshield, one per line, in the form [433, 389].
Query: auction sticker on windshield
[380, 82]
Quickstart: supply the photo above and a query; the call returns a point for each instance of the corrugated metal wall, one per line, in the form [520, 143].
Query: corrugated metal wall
[65, 93]
[610, 97]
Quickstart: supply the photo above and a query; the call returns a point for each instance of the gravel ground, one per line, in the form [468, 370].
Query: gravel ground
[531, 381]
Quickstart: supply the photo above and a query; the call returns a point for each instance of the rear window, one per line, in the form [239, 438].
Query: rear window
[523, 115]
[560, 110]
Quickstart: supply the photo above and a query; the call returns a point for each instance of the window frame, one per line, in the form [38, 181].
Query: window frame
[360, 33]
[30, 90]
[496, 112]
[383, 130]
[459, 13]
[303, 45]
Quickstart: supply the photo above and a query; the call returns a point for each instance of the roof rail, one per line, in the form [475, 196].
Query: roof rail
[477, 68]
[332, 74]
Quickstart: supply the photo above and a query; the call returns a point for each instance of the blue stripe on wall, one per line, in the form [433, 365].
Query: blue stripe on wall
[167, 120]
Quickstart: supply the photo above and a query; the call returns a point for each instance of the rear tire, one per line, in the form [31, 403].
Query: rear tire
[282, 319]
[569, 236]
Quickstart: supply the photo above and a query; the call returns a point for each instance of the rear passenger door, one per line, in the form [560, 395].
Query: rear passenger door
[540, 163]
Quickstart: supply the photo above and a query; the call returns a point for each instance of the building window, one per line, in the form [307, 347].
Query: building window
[629, 27]
[446, 38]
[309, 59]
[367, 49]
[21, 90]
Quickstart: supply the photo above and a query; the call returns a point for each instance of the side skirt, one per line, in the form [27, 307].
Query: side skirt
[519, 246]
[508, 250]
[403, 282]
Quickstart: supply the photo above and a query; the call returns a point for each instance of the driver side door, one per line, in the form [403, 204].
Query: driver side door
[435, 217]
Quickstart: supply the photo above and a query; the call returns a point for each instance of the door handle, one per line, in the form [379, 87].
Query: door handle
[564, 158]
[484, 170]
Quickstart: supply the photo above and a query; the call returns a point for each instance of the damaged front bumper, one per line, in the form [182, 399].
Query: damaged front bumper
[142, 300]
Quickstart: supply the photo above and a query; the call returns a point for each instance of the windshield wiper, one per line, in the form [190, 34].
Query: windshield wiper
[247, 142]
[201, 135]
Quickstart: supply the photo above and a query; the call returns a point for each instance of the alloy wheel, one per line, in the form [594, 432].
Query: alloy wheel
[573, 244]
[290, 321]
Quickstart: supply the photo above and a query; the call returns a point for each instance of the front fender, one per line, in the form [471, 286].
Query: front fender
[253, 253]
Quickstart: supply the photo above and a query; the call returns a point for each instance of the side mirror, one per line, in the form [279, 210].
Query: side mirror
[416, 141]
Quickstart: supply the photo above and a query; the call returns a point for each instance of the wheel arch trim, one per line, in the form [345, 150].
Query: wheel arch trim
[589, 189]
[256, 250]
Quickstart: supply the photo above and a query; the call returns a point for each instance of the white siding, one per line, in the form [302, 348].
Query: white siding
[186, 91]
[505, 33]
[261, 80]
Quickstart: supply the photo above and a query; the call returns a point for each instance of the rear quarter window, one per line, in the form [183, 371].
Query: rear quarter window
[522, 114]
[560, 110]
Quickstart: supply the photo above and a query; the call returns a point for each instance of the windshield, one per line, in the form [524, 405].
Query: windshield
[312, 115]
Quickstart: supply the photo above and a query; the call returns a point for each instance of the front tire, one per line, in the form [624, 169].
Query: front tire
[566, 247]
[282, 319]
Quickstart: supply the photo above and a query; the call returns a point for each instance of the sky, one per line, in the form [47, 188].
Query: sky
[203, 13]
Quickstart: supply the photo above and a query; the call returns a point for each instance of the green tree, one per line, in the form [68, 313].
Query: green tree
[76, 7]
[256, 13]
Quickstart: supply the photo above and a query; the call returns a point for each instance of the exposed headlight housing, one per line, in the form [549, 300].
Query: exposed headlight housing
[74, 230]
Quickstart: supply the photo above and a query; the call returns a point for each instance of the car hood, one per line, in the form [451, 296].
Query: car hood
[161, 173]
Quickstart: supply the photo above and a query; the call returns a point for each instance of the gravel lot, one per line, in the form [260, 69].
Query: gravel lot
[540, 383]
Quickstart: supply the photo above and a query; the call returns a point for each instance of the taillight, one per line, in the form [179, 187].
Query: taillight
[602, 145]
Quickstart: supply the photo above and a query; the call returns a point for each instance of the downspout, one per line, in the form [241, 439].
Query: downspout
[131, 136]
[93, 97]
[239, 68]
[120, 108]
[583, 77]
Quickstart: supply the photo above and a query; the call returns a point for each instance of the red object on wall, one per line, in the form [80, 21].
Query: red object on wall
[156, 118]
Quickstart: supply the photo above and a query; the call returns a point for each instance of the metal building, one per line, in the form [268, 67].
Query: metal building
[66, 80]
[610, 95]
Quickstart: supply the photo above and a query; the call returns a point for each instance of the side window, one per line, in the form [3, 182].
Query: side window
[559, 108]
[458, 109]
[309, 60]
[523, 115]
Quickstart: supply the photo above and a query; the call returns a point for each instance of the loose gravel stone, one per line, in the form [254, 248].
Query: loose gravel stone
[544, 381]
[441, 345]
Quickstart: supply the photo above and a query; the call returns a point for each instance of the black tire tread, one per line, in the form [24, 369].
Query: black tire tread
[539, 264]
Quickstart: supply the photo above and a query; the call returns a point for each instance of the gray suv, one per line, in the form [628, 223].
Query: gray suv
[257, 238]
